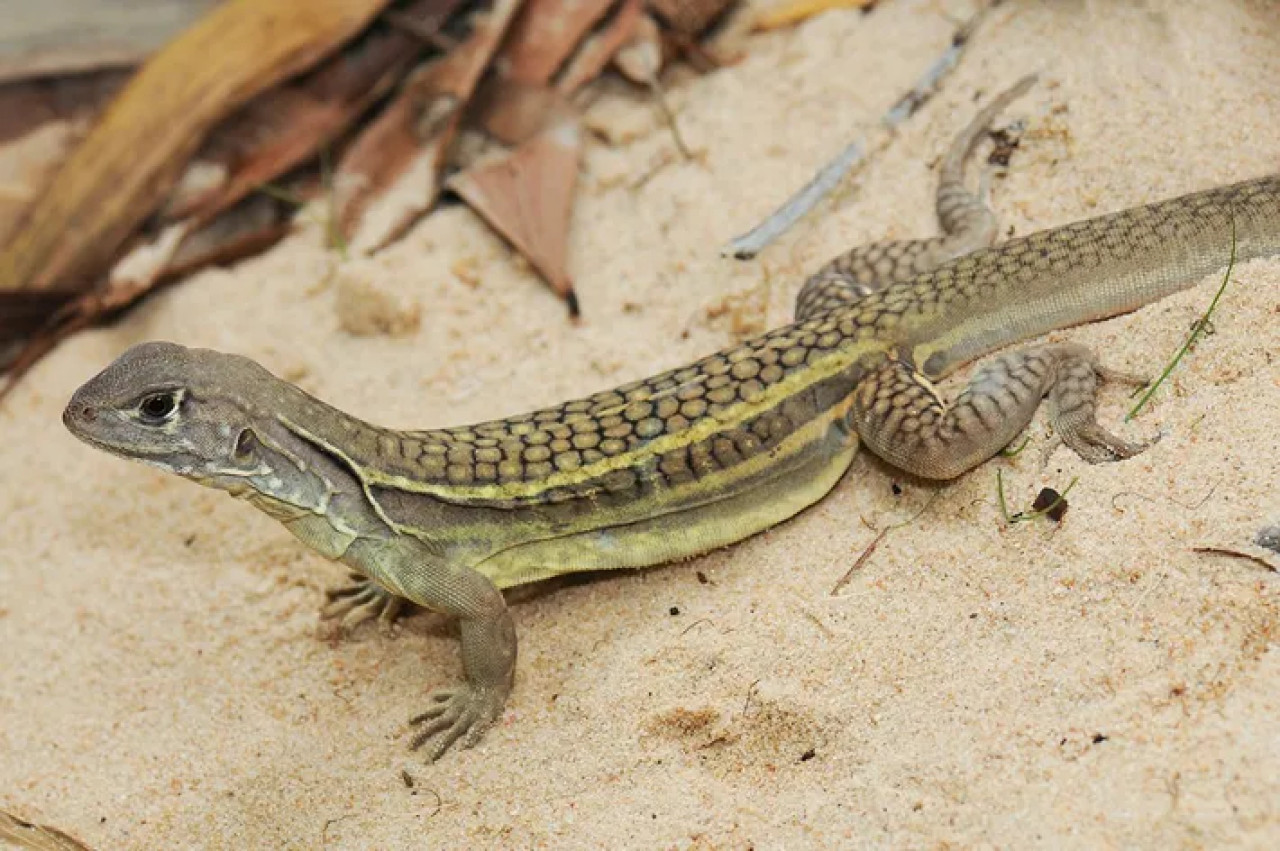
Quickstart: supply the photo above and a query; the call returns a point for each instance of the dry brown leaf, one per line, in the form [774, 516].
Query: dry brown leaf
[287, 126]
[791, 12]
[690, 17]
[251, 226]
[136, 151]
[381, 152]
[255, 223]
[27, 104]
[514, 112]
[527, 196]
[640, 60]
[390, 175]
[595, 52]
[41, 122]
[24, 311]
[545, 35]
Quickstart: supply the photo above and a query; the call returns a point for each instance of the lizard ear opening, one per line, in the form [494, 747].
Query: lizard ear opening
[246, 443]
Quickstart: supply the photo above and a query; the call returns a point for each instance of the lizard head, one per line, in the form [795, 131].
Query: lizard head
[193, 412]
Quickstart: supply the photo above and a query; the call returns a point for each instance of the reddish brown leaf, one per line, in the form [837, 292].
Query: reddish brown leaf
[390, 174]
[27, 104]
[527, 196]
[253, 225]
[50, 317]
[595, 51]
[23, 311]
[513, 112]
[256, 222]
[425, 24]
[124, 168]
[640, 60]
[690, 17]
[545, 35]
[287, 126]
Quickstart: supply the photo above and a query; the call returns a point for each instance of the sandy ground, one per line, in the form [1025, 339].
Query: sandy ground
[1096, 684]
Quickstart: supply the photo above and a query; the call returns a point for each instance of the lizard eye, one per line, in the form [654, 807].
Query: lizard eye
[158, 408]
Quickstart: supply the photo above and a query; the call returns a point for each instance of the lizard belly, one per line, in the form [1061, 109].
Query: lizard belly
[674, 536]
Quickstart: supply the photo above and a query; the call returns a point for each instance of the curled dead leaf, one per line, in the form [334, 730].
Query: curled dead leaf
[122, 170]
[527, 197]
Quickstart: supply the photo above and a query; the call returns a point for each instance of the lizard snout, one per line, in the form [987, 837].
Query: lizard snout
[78, 413]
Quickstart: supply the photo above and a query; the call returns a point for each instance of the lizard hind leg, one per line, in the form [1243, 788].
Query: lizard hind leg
[901, 417]
[967, 225]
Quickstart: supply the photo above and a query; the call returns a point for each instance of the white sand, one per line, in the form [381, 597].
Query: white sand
[1092, 685]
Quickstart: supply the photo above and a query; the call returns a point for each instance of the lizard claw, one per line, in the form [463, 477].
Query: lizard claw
[463, 712]
[1096, 445]
[359, 601]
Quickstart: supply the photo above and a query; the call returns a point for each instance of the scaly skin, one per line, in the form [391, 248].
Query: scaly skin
[967, 225]
[687, 460]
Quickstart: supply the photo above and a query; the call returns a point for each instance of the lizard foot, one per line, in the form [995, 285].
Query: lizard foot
[462, 712]
[359, 601]
[1073, 397]
[1096, 445]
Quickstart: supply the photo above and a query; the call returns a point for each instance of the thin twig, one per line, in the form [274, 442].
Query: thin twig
[428, 35]
[875, 542]
[780, 221]
[333, 228]
[1223, 551]
[1197, 329]
[655, 87]
[910, 103]
[281, 194]
[861, 560]
[1188, 506]
[830, 176]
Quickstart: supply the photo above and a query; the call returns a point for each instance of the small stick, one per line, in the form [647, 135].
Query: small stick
[780, 221]
[875, 542]
[655, 87]
[1223, 551]
[749, 244]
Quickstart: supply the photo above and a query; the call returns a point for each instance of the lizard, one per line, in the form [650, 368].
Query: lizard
[691, 459]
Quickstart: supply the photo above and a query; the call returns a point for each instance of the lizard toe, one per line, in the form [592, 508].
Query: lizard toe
[360, 601]
[462, 713]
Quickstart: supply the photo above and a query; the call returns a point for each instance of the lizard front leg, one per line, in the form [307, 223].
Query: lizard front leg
[360, 600]
[412, 570]
[900, 416]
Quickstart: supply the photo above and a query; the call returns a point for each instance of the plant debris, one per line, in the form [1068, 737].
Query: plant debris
[830, 176]
[792, 12]
[209, 150]
[36, 837]
[417, 131]
[527, 196]
[119, 174]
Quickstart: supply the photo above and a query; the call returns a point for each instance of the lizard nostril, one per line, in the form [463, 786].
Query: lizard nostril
[88, 414]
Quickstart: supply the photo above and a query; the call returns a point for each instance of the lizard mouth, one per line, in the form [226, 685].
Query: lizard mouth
[105, 446]
[84, 423]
